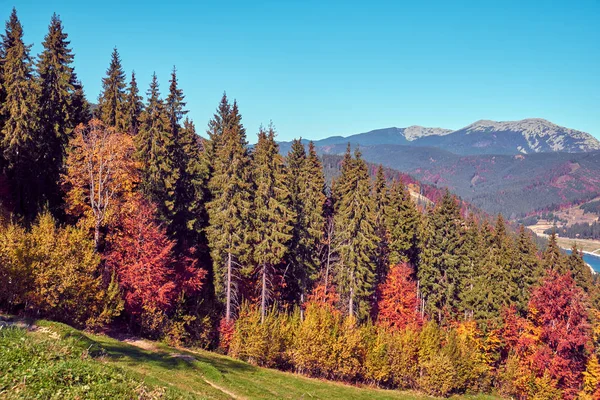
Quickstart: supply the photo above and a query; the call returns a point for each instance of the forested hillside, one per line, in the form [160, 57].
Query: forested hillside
[127, 220]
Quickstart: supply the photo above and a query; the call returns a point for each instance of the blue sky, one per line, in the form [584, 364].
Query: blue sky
[322, 68]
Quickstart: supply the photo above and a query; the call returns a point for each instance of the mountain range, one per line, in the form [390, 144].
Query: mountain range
[515, 168]
[533, 135]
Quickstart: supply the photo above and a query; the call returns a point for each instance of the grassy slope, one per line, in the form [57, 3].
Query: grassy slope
[135, 371]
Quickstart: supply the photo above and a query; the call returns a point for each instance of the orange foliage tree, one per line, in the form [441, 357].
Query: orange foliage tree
[397, 299]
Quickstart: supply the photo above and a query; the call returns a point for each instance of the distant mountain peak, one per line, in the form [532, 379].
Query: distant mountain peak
[538, 135]
[415, 132]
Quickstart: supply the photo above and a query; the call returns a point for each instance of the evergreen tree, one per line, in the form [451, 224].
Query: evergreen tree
[228, 211]
[111, 103]
[19, 140]
[155, 145]
[581, 272]
[356, 240]
[305, 182]
[472, 286]
[381, 202]
[553, 259]
[528, 271]
[133, 107]
[56, 109]
[175, 104]
[222, 119]
[80, 107]
[442, 261]
[272, 217]
[403, 224]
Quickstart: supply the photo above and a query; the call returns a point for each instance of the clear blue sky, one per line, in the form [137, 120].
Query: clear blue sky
[322, 68]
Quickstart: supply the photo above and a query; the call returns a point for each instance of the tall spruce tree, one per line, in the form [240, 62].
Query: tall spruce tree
[272, 217]
[228, 211]
[403, 224]
[80, 107]
[581, 272]
[58, 112]
[305, 182]
[442, 261]
[111, 103]
[19, 136]
[221, 120]
[155, 145]
[381, 202]
[528, 270]
[356, 239]
[134, 107]
[553, 259]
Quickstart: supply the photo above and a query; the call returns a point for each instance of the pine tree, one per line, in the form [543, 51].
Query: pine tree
[222, 119]
[356, 240]
[133, 107]
[553, 259]
[155, 148]
[305, 182]
[403, 224]
[528, 271]
[228, 211]
[111, 103]
[581, 272]
[56, 109]
[271, 215]
[442, 261]
[80, 107]
[19, 139]
[381, 201]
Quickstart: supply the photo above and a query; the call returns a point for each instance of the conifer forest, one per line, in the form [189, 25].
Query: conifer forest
[116, 215]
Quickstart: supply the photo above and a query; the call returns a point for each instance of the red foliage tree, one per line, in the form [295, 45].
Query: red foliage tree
[149, 274]
[397, 299]
[556, 335]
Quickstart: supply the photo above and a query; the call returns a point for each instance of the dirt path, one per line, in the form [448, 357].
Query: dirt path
[151, 346]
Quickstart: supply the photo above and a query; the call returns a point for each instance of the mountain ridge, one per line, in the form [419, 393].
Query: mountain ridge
[526, 136]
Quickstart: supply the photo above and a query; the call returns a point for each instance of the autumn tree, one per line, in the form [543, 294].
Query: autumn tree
[397, 299]
[271, 219]
[551, 344]
[151, 276]
[101, 174]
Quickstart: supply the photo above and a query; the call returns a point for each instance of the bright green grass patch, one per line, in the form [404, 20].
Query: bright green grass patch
[59, 362]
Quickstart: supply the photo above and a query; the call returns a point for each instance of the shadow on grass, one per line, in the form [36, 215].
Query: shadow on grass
[171, 361]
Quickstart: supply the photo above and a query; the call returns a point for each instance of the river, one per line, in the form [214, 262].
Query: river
[592, 260]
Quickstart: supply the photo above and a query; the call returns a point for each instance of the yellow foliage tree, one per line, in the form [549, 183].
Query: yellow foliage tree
[101, 175]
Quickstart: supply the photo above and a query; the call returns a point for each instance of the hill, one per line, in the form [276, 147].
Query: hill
[53, 360]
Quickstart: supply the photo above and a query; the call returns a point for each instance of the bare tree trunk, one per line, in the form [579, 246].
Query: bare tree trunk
[329, 233]
[263, 300]
[97, 235]
[228, 301]
[351, 303]
[302, 306]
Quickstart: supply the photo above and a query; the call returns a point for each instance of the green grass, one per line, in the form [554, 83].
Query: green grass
[59, 362]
